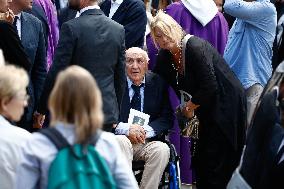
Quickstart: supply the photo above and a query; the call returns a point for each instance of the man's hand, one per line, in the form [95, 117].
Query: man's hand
[136, 134]
[7, 16]
[38, 120]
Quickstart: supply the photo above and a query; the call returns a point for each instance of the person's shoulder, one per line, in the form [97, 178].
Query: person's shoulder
[155, 78]
[176, 6]
[113, 23]
[19, 132]
[108, 143]
[164, 53]
[104, 4]
[13, 135]
[152, 76]
[196, 43]
[103, 20]
[31, 18]
[107, 137]
[38, 142]
[135, 3]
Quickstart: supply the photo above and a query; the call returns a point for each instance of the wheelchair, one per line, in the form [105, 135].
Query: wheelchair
[171, 176]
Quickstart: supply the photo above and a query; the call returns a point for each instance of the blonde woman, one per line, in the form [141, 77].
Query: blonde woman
[76, 112]
[13, 99]
[192, 65]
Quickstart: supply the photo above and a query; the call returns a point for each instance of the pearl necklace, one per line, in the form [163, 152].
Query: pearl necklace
[179, 66]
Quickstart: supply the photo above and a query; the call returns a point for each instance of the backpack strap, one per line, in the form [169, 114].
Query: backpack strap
[60, 142]
[96, 137]
[55, 137]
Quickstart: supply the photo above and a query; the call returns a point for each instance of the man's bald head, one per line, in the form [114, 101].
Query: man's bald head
[137, 51]
[136, 64]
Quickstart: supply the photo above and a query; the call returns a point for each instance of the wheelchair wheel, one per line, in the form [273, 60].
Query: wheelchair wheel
[171, 176]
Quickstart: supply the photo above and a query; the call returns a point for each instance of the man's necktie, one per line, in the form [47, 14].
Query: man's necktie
[136, 99]
[15, 22]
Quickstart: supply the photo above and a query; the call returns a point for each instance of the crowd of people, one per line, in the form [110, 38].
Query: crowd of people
[109, 81]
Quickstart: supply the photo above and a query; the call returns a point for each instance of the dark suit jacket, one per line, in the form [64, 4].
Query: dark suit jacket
[96, 43]
[156, 104]
[263, 140]
[132, 15]
[38, 12]
[11, 46]
[33, 41]
[65, 15]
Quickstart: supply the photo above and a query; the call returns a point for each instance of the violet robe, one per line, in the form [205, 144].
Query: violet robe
[53, 30]
[215, 32]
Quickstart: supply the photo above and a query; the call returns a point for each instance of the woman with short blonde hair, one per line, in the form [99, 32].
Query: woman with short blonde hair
[76, 112]
[13, 99]
[13, 80]
[168, 26]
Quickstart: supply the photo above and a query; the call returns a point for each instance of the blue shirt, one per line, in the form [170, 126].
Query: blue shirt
[249, 48]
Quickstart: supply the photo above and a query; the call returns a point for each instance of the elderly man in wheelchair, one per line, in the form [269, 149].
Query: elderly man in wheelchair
[140, 132]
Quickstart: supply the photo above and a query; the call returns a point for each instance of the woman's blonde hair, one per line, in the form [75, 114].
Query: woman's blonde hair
[12, 81]
[76, 99]
[168, 26]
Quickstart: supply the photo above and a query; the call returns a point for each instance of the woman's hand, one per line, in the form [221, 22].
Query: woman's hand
[188, 110]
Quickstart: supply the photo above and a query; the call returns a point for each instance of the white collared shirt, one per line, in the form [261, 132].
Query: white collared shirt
[19, 25]
[85, 9]
[114, 6]
[63, 3]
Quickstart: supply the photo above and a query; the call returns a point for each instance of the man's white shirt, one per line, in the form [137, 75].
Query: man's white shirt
[114, 6]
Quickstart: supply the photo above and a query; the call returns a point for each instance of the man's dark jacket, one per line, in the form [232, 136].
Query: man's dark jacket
[132, 15]
[96, 43]
[12, 47]
[32, 39]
